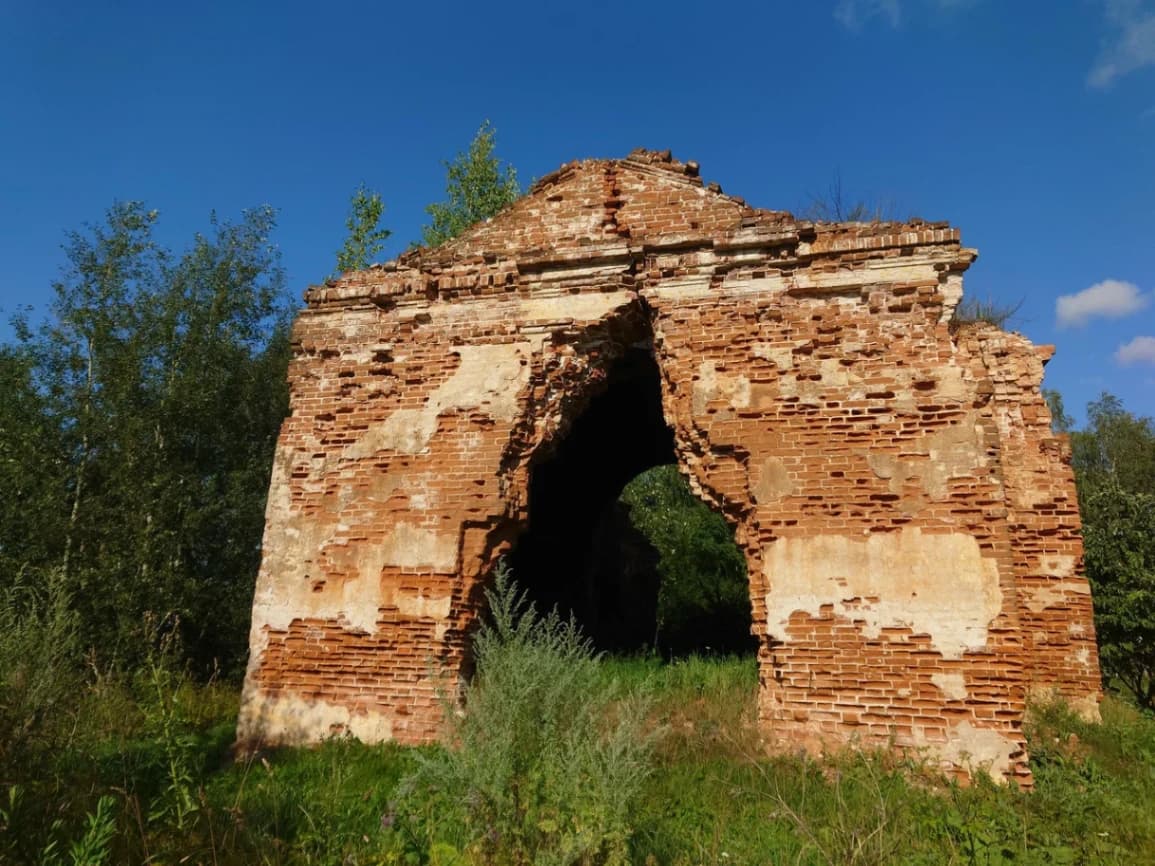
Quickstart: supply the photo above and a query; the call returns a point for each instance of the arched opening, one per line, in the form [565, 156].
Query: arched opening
[616, 537]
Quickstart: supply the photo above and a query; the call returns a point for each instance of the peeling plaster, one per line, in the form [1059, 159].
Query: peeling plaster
[772, 481]
[1053, 594]
[832, 373]
[978, 749]
[1059, 565]
[935, 584]
[954, 452]
[489, 378]
[298, 721]
[585, 306]
[298, 546]
[781, 356]
[408, 546]
[921, 268]
[710, 385]
[953, 686]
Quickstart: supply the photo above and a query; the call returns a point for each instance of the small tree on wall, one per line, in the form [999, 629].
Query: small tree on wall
[478, 187]
[365, 238]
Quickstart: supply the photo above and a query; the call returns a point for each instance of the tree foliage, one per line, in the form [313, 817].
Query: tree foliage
[1115, 448]
[140, 420]
[365, 238]
[704, 596]
[478, 187]
[1061, 422]
[1114, 461]
[1119, 541]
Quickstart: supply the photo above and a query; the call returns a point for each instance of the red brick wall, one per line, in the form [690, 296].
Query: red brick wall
[909, 520]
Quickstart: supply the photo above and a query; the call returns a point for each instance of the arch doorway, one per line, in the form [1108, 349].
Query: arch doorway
[616, 538]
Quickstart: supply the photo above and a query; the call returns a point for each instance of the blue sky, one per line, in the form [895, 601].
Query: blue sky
[1028, 124]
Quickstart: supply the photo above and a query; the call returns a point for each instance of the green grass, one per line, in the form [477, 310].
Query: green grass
[710, 797]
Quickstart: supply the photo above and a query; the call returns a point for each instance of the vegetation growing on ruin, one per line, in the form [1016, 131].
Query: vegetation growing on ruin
[366, 237]
[478, 187]
[976, 310]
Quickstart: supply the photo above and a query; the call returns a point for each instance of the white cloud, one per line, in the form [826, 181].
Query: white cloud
[1110, 299]
[854, 14]
[1132, 42]
[1141, 350]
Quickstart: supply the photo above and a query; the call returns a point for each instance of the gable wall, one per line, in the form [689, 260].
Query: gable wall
[908, 519]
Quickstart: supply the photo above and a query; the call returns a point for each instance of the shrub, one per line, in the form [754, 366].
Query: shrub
[547, 757]
[974, 310]
[39, 664]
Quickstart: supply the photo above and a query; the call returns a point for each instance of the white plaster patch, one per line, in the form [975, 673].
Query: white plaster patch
[583, 306]
[488, 378]
[952, 293]
[955, 452]
[952, 452]
[772, 481]
[355, 601]
[406, 430]
[408, 546]
[301, 550]
[939, 585]
[1087, 706]
[951, 384]
[1054, 593]
[1029, 496]
[292, 544]
[1058, 565]
[298, 721]
[953, 686]
[710, 385]
[832, 373]
[423, 606]
[686, 288]
[978, 750]
[781, 356]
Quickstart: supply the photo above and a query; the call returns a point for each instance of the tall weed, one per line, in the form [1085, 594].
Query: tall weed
[166, 725]
[39, 665]
[91, 848]
[546, 759]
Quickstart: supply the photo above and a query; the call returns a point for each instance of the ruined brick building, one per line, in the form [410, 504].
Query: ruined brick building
[908, 517]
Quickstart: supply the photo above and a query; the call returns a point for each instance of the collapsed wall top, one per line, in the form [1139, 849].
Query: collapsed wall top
[602, 213]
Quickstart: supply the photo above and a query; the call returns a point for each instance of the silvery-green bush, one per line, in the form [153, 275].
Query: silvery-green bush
[546, 756]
